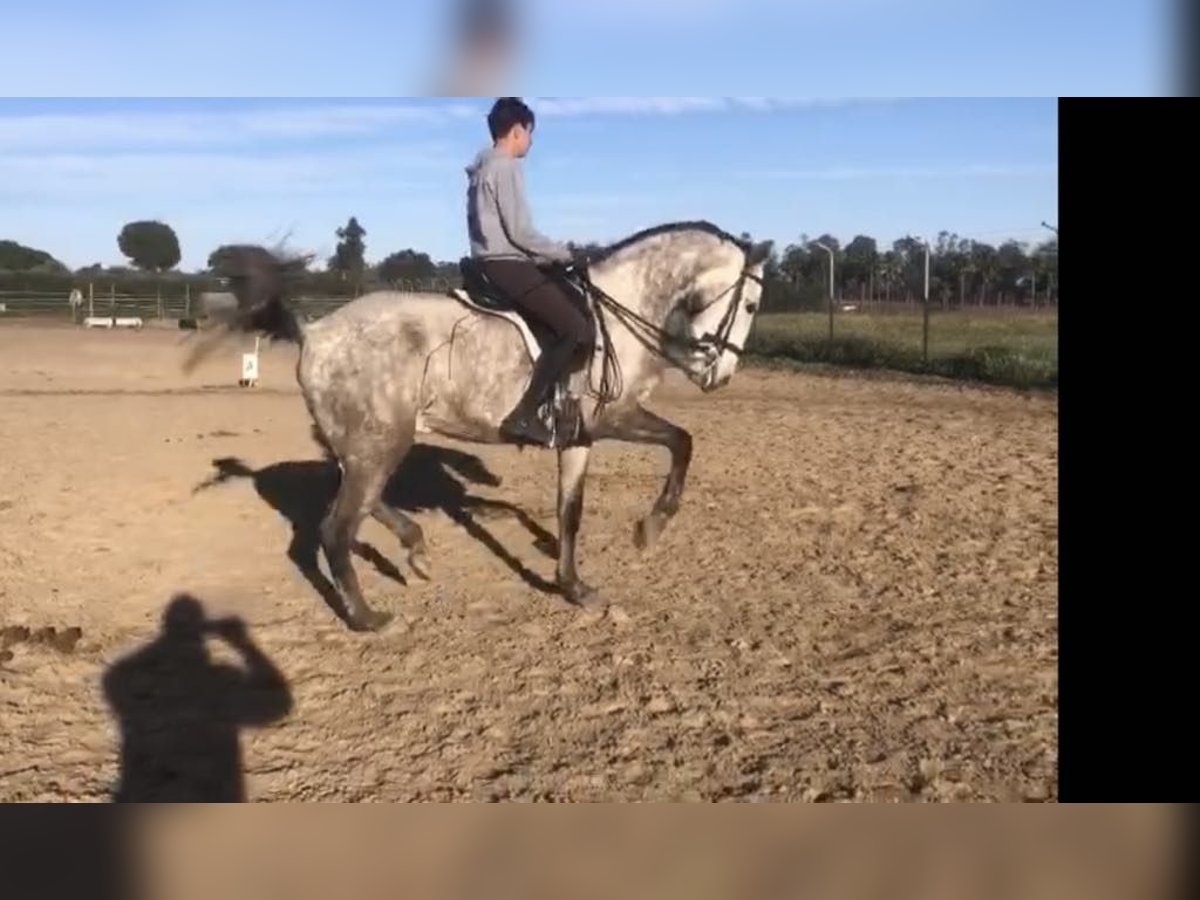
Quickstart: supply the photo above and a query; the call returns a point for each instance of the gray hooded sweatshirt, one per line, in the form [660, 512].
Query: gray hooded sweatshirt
[498, 217]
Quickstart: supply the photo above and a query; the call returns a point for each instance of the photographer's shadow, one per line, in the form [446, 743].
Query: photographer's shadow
[180, 711]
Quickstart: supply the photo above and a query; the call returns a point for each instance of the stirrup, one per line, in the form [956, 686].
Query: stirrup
[564, 417]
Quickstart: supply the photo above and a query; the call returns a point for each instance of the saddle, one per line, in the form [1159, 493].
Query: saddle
[481, 289]
[481, 294]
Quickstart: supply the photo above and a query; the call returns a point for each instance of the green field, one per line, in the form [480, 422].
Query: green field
[1007, 347]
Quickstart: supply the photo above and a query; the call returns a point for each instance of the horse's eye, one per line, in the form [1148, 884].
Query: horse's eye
[751, 307]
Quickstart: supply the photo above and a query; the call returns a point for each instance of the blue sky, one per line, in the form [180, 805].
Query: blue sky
[219, 171]
[805, 48]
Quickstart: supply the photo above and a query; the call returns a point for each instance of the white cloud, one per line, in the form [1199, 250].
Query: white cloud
[287, 122]
[65, 132]
[77, 176]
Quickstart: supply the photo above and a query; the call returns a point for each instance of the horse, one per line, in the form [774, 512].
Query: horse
[389, 364]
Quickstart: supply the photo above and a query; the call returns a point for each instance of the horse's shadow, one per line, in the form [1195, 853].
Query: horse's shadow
[302, 491]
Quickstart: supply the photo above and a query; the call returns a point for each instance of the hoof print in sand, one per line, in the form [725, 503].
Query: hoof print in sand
[61, 641]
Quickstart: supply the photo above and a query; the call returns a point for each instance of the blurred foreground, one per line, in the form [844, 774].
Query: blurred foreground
[1023, 853]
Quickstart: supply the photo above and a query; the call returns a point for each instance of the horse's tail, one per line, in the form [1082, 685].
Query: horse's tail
[258, 282]
[274, 318]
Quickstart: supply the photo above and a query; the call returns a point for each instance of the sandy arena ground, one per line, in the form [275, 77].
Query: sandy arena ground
[856, 601]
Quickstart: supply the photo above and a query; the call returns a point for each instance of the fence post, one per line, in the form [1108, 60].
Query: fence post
[91, 300]
[187, 300]
[160, 305]
[925, 323]
[831, 300]
[828, 250]
[112, 300]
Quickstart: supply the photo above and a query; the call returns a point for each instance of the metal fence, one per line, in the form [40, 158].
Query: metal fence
[1008, 345]
[77, 304]
[166, 301]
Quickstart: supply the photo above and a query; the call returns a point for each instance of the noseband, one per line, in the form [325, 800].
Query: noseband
[716, 344]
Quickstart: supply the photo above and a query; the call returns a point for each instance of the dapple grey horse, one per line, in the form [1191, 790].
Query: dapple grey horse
[388, 365]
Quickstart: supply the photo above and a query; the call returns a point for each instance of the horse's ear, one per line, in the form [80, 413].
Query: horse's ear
[758, 253]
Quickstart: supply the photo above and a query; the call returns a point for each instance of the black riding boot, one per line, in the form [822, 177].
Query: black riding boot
[523, 422]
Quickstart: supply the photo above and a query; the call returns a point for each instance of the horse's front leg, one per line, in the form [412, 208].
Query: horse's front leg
[572, 472]
[640, 426]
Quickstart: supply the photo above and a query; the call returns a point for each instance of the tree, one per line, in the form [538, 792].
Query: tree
[16, 257]
[583, 251]
[1012, 267]
[858, 267]
[794, 263]
[801, 279]
[983, 262]
[150, 245]
[348, 259]
[407, 265]
[1045, 267]
[910, 253]
[448, 272]
[891, 270]
[778, 293]
[951, 264]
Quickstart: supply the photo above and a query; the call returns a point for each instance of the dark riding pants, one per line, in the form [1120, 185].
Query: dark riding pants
[540, 297]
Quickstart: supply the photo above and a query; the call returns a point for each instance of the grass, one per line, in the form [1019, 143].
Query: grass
[1005, 347]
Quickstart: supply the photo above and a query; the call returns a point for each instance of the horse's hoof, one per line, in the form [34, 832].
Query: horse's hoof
[418, 561]
[372, 620]
[646, 531]
[584, 595]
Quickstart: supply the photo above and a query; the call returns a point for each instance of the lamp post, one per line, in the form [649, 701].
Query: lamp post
[830, 252]
[1051, 279]
[925, 323]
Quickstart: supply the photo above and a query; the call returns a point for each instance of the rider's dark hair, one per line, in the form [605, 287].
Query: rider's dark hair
[507, 112]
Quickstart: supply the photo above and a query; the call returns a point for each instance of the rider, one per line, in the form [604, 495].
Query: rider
[510, 252]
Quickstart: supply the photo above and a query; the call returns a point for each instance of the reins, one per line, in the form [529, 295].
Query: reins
[654, 337]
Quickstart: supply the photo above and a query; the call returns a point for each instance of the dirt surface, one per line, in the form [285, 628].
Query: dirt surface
[857, 600]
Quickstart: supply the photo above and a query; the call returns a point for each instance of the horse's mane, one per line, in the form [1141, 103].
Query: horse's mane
[668, 228]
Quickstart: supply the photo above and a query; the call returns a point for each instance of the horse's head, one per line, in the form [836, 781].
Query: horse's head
[722, 314]
[711, 285]
[692, 291]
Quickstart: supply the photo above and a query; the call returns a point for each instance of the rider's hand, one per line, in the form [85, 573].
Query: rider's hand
[579, 261]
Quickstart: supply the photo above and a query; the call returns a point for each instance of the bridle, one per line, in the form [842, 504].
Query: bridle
[716, 344]
[658, 340]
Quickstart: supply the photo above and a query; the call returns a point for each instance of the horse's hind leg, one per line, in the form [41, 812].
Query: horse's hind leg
[411, 537]
[362, 483]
